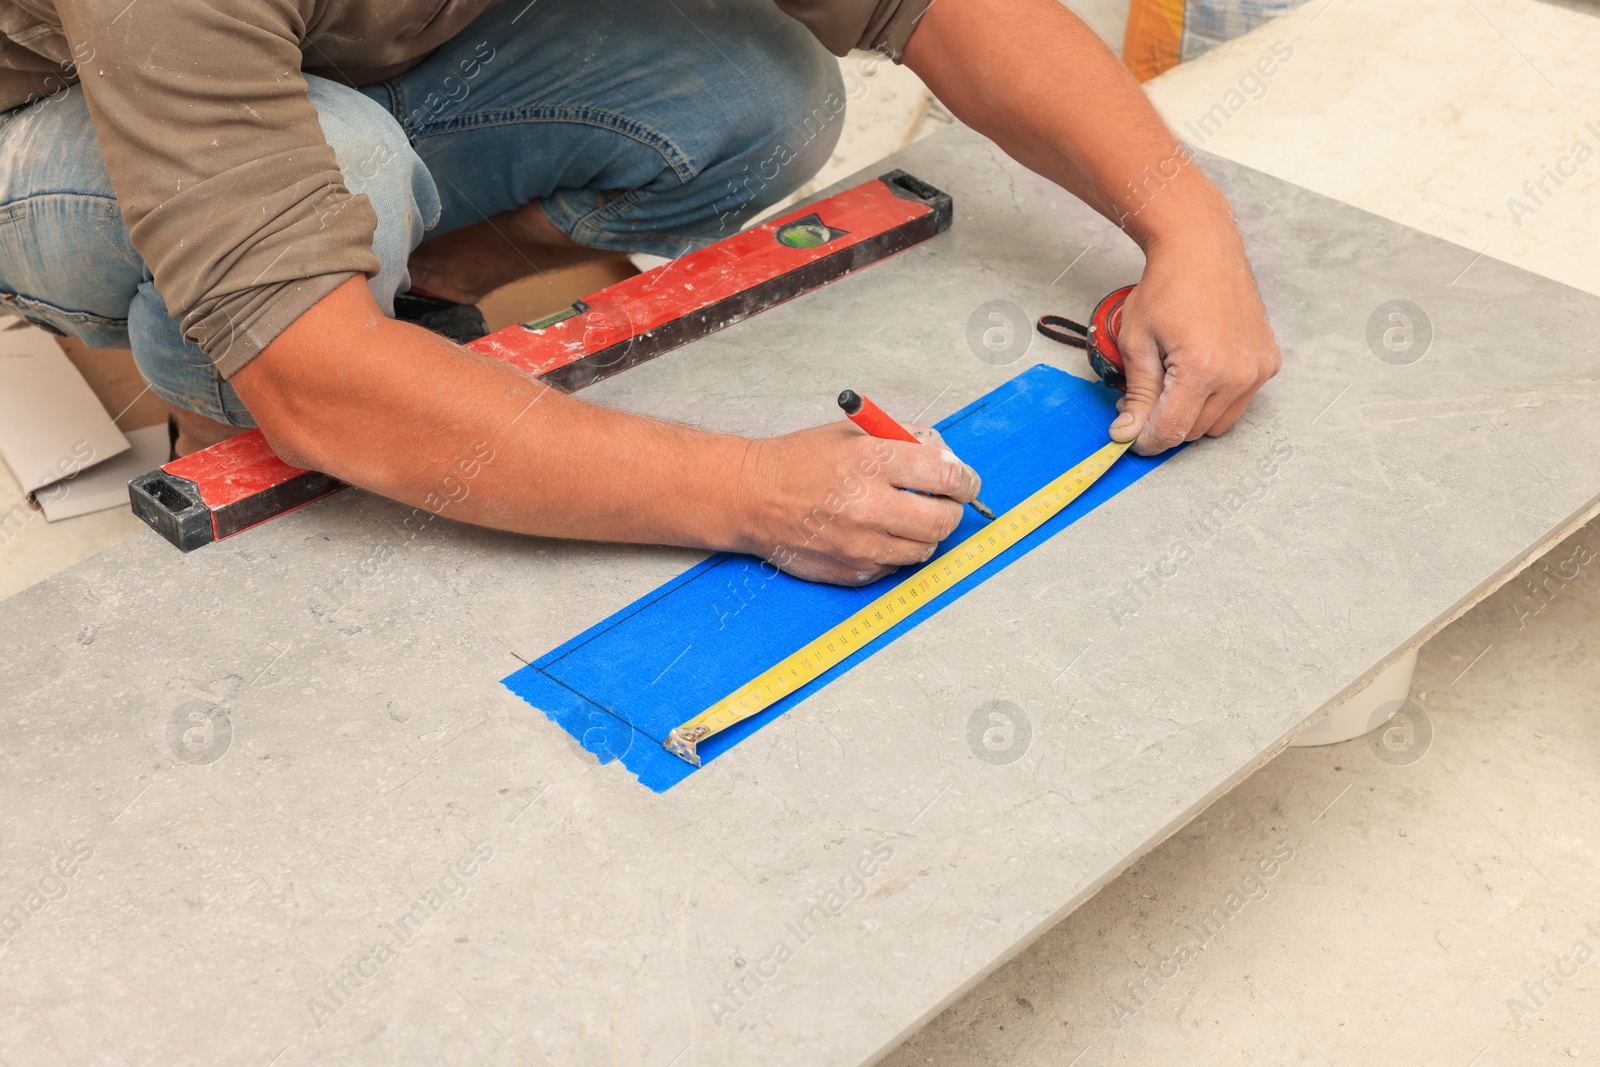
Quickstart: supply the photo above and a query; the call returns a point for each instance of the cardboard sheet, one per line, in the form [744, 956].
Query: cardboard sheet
[620, 686]
[105, 485]
[51, 424]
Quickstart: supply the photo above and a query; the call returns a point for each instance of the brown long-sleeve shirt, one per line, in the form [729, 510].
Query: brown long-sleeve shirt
[217, 158]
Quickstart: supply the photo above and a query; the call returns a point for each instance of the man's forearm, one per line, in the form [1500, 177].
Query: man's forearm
[401, 412]
[1035, 79]
[1195, 339]
[407, 414]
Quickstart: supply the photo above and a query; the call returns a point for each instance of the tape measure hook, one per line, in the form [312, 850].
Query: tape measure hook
[681, 742]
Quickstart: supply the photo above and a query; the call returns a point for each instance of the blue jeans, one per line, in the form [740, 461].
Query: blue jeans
[637, 125]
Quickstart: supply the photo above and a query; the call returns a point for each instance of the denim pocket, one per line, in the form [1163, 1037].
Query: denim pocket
[93, 330]
[67, 265]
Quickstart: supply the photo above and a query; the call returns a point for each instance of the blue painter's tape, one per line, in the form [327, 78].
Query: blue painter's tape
[619, 686]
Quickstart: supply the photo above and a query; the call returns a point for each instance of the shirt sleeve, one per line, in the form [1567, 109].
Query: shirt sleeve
[882, 26]
[230, 192]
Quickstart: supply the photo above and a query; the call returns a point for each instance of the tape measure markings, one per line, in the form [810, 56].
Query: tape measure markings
[846, 638]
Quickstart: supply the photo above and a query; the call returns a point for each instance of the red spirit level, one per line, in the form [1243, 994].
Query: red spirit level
[219, 491]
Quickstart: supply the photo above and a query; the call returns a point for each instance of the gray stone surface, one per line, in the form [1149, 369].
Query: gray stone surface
[253, 909]
[1431, 874]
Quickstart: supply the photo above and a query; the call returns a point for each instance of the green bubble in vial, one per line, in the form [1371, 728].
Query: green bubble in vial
[804, 235]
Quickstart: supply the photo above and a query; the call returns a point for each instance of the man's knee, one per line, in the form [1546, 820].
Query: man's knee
[787, 127]
[809, 107]
[807, 119]
[378, 162]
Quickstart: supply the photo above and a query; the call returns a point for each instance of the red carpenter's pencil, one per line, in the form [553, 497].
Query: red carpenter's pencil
[873, 419]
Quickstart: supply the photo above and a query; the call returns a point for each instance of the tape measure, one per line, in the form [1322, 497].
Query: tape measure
[1098, 339]
[904, 600]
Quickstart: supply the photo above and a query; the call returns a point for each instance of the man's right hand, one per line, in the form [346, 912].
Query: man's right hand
[831, 504]
[404, 413]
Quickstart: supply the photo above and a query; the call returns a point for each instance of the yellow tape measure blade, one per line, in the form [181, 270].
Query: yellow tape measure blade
[822, 654]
